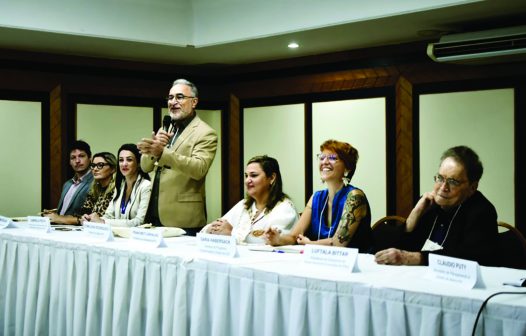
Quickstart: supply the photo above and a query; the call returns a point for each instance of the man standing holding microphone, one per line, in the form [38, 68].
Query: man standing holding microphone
[181, 155]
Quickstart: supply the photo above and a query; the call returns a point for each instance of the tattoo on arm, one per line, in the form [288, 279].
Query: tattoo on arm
[354, 210]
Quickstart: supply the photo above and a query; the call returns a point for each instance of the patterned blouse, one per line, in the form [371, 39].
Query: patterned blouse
[98, 204]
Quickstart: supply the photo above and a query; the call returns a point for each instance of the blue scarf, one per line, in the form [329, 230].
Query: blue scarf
[319, 228]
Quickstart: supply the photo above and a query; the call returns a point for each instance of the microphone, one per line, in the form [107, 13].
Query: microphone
[167, 121]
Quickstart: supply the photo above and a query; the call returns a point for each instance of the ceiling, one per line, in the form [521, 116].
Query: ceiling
[365, 32]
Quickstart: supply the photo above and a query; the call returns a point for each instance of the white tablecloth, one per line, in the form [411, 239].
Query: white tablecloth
[62, 284]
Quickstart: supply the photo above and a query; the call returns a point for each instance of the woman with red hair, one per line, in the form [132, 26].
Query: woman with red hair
[339, 215]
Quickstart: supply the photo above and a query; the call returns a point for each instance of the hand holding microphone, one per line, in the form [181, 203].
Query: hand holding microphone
[155, 145]
[162, 135]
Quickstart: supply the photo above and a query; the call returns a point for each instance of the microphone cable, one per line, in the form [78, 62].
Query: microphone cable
[484, 304]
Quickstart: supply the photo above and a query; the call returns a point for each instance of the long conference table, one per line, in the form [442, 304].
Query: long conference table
[63, 283]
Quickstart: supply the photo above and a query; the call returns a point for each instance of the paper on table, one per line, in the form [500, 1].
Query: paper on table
[62, 227]
[125, 232]
[282, 249]
[291, 248]
[263, 248]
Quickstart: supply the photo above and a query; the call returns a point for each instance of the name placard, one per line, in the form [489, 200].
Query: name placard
[224, 246]
[98, 231]
[38, 223]
[152, 237]
[6, 222]
[331, 256]
[455, 271]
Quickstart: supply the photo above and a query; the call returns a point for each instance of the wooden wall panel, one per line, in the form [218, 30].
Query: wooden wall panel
[316, 83]
[232, 164]
[404, 147]
[56, 158]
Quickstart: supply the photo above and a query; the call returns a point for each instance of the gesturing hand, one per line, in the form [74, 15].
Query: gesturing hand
[155, 145]
[302, 240]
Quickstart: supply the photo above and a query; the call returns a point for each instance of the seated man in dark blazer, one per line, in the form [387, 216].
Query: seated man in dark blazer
[454, 219]
[75, 189]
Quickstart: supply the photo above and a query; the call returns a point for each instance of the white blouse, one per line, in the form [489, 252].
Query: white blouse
[249, 225]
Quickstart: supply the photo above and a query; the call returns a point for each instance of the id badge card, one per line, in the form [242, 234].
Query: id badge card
[431, 246]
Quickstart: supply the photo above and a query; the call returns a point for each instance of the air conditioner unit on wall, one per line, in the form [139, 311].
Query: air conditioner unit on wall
[481, 47]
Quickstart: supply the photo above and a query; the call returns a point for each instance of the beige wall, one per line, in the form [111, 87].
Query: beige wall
[21, 148]
[107, 127]
[213, 178]
[278, 131]
[482, 120]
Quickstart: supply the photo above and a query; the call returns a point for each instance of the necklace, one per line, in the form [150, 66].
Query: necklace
[321, 216]
[124, 205]
[449, 227]
[124, 202]
[256, 217]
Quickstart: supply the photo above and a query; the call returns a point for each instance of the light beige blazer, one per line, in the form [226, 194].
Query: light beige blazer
[184, 168]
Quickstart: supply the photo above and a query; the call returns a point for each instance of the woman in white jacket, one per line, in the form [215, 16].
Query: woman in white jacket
[128, 207]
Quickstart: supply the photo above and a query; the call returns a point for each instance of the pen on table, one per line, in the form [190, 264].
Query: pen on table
[45, 212]
[290, 251]
[62, 229]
